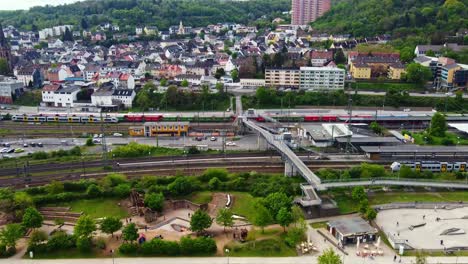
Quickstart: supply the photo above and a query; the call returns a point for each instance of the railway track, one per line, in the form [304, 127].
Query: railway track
[152, 162]
[187, 167]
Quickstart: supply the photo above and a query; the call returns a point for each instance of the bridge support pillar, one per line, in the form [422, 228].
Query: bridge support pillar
[289, 170]
[262, 143]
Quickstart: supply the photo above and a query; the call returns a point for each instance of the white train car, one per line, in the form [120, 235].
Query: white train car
[434, 166]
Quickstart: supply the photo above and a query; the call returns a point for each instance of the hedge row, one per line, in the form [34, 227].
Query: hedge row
[157, 247]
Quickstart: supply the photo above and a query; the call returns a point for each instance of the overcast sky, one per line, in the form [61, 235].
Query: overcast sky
[26, 4]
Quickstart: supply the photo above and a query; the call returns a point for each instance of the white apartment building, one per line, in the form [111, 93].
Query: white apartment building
[8, 88]
[58, 96]
[252, 83]
[321, 78]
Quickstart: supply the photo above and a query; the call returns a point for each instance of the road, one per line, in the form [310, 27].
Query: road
[437, 95]
[232, 260]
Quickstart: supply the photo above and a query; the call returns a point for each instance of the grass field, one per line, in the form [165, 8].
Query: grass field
[346, 205]
[198, 197]
[97, 208]
[67, 254]
[383, 86]
[437, 141]
[244, 204]
[318, 225]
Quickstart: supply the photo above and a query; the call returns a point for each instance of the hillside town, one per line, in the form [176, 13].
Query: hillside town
[74, 69]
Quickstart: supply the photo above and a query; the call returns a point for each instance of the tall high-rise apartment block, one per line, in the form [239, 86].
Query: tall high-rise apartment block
[306, 11]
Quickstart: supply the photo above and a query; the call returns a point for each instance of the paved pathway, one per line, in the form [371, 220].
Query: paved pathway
[224, 260]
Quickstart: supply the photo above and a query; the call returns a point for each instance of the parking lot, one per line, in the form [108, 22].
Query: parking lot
[248, 142]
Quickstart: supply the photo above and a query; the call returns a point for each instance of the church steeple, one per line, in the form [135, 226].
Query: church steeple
[3, 41]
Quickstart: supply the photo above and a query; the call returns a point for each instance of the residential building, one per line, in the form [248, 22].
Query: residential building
[124, 97]
[395, 71]
[252, 83]
[320, 58]
[282, 77]
[150, 30]
[59, 96]
[102, 98]
[306, 11]
[9, 88]
[422, 50]
[321, 78]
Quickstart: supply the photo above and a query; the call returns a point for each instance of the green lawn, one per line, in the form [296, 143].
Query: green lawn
[453, 138]
[273, 247]
[97, 208]
[346, 205]
[318, 225]
[66, 254]
[383, 86]
[198, 197]
[244, 204]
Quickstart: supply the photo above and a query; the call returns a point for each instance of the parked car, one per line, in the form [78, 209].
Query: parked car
[25, 145]
[19, 150]
[118, 135]
[40, 145]
[213, 139]
[230, 143]
[198, 138]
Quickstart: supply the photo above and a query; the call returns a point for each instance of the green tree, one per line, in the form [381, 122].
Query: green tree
[4, 68]
[275, 201]
[85, 226]
[284, 218]
[93, 191]
[67, 36]
[163, 82]
[358, 194]
[84, 23]
[110, 225]
[143, 100]
[130, 232]
[262, 217]
[407, 54]
[417, 73]
[235, 75]
[55, 187]
[329, 257]
[224, 217]
[297, 214]
[89, 142]
[214, 183]
[200, 221]
[182, 186]
[371, 214]
[438, 125]
[37, 236]
[184, 83]
[10, 234]
[219, 73]
[32, 218]
[155, 201]
[376, 128]
[339, 57]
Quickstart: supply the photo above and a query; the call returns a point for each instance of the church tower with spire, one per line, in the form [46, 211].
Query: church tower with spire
[5, 49]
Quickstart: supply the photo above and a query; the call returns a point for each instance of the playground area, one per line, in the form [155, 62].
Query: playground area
[427, 229]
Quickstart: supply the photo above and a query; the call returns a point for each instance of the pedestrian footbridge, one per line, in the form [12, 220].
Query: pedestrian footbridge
[293, 165]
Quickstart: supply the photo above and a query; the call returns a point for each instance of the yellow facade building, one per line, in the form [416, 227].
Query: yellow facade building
[360, 70]
[395, 71]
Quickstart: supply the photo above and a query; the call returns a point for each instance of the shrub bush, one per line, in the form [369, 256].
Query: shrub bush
[128, 248]
[61, 240]
[6, 253]
[93, 191]
[122, 190]
[197, 246]
[84, 244]
[294, 236]
[100, 243]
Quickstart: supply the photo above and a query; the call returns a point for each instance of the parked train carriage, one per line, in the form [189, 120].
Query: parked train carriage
[434, 166]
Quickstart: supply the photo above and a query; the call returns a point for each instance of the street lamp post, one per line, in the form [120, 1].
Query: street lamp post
[227, 254]
[112, 253]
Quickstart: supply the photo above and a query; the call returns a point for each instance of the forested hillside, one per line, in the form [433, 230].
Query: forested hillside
[426, 18]
[161, 13]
